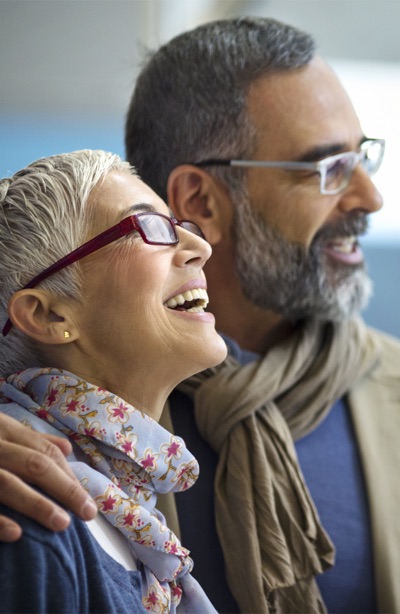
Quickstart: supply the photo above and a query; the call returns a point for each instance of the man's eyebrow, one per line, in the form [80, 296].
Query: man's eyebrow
[324, 151]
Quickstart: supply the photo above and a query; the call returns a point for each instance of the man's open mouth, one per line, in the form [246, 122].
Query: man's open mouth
[345, 245]
[345, 250]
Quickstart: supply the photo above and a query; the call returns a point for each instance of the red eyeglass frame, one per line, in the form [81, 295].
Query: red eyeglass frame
[124, 227]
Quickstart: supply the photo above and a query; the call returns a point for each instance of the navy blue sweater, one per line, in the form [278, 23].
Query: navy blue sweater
[66, 572]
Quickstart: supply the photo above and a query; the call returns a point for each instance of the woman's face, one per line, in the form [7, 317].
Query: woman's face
[127, 330]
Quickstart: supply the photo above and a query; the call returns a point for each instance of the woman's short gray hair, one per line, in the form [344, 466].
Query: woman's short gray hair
[43, 216]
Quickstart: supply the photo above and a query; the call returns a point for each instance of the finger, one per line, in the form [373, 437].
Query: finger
[53, 447]
[22, 498]
[14, 432]
[49, 471]
[63, 444]
[10, 531]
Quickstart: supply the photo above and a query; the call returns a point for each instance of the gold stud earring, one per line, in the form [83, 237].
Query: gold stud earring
[66, 334]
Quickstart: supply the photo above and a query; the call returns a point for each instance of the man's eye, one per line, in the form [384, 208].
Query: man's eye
[334, 168]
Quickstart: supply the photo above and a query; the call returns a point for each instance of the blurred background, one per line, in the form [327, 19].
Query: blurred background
[68, 67]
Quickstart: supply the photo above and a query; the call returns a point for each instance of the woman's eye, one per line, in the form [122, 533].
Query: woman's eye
[132, 235]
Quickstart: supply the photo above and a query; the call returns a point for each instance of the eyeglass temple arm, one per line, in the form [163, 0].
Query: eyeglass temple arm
[259, 163]
[103, 239]
[280, 163]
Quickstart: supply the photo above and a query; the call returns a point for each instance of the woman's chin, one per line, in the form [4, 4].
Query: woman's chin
[213, 353]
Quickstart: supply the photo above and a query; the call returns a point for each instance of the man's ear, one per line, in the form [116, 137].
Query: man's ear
[194, 195]
[42, 316]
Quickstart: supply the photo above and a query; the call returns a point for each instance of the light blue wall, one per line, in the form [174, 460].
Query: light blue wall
[384, 267]
[25, 138]
[67, 71]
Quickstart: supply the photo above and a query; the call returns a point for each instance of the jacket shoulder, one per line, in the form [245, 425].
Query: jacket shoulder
[389, 366]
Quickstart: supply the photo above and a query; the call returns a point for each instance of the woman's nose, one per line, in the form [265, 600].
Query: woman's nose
[192, 247]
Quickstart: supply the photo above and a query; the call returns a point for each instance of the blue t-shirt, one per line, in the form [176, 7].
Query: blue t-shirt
[332, 470]
[66, 572]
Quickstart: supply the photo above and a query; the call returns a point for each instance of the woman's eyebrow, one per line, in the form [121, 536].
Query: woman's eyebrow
[138, 208]
[144, 207]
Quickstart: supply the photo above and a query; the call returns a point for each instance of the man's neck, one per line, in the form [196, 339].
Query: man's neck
[251, 331]
[253, 328]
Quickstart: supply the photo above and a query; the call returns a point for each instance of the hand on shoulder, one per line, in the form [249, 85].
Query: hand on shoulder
[28, 457]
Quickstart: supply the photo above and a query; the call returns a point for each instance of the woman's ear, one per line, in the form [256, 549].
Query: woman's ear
[195, 195]
[42, 316]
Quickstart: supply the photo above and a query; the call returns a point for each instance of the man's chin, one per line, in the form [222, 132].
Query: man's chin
[347, 299]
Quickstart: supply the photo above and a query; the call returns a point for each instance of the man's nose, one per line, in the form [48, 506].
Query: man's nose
[361, 193]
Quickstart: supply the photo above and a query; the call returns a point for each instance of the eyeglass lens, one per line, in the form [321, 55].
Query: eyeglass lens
[192, 227]
[372, 156]
[339, 171]
[157, 228]
[160, 229]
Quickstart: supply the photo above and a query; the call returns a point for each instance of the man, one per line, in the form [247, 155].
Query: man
[242, 128]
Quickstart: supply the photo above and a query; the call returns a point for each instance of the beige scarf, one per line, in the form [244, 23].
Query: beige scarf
[269, 529]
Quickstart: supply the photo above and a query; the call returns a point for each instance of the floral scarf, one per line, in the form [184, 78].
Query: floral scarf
[129, 459]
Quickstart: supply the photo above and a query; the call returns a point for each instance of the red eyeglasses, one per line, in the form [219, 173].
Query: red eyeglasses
[154, 229]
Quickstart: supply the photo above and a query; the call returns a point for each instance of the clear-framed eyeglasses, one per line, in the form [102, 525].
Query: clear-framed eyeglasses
[335, 171]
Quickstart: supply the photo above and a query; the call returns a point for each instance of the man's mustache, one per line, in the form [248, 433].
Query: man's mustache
[352, 224]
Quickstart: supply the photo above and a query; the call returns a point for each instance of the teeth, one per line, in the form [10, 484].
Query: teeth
[199, 295]
[345, 245]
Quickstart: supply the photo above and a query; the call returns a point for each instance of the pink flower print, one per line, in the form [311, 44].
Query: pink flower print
[109, 502]
[153, 601]
[127, 443]
[173, 449]
[119, 413]
[146, 540]
[75, 436]
[149, 460]
[127, 447]
[130, 519]
[157, 599]
[73, 405]
[43, 414]
[92, 429]
[176, 592]
[101, 392]
[53, 395]
[174, 547]
[139, 489]
[171, 547]
[187, 474]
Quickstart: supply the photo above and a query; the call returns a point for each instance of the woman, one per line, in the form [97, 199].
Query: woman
[104, 295]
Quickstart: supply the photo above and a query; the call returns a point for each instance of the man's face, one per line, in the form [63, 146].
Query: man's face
[296, 250]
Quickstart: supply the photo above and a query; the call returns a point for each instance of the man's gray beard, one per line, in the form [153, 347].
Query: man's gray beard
[281, 276]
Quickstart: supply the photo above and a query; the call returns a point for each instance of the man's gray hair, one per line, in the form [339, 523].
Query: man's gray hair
[189, 102]
[44, 216]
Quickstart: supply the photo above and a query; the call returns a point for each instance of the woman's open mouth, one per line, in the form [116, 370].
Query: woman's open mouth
[193, 301]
